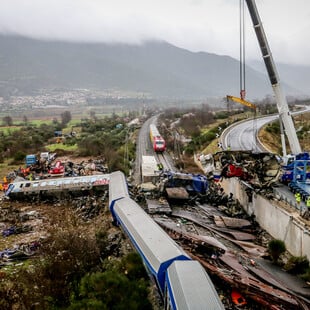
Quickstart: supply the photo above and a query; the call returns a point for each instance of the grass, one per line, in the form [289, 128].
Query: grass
[61, 146]
[6, 168]
[8, 129]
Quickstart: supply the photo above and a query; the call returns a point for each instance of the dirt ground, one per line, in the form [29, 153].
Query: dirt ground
[32, 221]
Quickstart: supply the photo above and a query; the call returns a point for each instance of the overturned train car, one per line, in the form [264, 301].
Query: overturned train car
[58, 187]
[160, 254]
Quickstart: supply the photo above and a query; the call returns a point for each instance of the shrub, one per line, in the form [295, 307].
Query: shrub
[19, 156]
[276, 247]
[123, 286]
[297, 265]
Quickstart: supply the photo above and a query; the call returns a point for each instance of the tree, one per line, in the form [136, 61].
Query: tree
[25, 120]
[92, 114]
[65, 117]
[123, 286]
[7, 121]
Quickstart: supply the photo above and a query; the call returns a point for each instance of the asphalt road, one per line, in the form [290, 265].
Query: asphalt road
[243, 135]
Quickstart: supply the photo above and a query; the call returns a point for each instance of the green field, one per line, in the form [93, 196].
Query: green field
[61, 146]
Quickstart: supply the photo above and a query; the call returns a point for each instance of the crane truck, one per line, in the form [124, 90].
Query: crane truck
[297, 164]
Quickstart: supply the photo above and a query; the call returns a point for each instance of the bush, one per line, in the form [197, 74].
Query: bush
[297, 265]
[19, 156]
[306, 275]
[273, 128]
[123, 286]
[276, 247]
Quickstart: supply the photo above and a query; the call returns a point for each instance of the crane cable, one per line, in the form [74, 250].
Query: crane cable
[242, 63]
[242, 49]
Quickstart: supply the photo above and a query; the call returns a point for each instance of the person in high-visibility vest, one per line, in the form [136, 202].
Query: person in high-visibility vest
[308, 203]
[298, 200]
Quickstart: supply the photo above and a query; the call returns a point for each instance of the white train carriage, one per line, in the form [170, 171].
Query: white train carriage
[156, 248]
[118, 187]
[188, 287]
[21, 189]
[183, 283]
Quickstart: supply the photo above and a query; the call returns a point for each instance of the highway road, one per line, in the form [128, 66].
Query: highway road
[243, 135]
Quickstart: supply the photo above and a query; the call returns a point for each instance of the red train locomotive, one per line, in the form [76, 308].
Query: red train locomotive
[158, 142]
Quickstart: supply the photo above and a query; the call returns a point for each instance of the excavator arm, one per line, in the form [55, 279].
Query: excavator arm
[242, 101]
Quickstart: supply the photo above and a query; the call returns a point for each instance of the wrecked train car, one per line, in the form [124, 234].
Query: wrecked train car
[60, 187]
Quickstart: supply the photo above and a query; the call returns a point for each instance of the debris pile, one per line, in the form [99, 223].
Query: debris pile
[47, 168]
[228, 248]
[260, 170]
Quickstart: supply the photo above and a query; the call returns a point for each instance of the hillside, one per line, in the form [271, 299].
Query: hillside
[155, 68]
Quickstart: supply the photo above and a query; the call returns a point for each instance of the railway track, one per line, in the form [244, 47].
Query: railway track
[165, 160]
[230, 272]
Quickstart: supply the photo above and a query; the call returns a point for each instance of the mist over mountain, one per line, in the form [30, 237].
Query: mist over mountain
[158, 69]
[298, 77]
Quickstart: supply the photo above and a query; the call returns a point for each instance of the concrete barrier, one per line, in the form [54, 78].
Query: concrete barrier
[278, 222]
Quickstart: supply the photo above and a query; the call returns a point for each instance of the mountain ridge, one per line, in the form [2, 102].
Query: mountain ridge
[156, 68]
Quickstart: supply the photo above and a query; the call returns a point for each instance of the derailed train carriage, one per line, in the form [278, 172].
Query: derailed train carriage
[160, 254]
[57, 187]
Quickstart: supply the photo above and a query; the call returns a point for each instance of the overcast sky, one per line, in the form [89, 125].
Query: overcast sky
[197, 25]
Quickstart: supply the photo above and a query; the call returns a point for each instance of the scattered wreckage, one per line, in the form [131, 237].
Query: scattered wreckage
[41, 178]
[228, 249]
[260, 170]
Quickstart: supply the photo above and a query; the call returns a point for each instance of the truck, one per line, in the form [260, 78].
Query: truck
[31, 160]
[297, 176]
[296, 168]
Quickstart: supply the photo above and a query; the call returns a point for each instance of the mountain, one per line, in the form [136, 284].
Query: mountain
[156, 68]
[297, 76]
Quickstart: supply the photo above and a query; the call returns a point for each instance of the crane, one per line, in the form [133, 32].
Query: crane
[242, 101]
[284, 114]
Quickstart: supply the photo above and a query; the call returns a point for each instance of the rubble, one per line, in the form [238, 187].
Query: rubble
[259, 169]
[239, 269]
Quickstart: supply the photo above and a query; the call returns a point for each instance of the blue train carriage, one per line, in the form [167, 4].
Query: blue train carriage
[155, 247]
[117, 187]
[188, 287]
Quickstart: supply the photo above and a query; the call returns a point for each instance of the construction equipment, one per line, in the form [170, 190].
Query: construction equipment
[31, 160]
[284, 113]
[242, 101]
[297, 159]
[296, 174]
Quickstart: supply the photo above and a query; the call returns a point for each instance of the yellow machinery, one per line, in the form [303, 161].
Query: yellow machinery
[242, 101]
